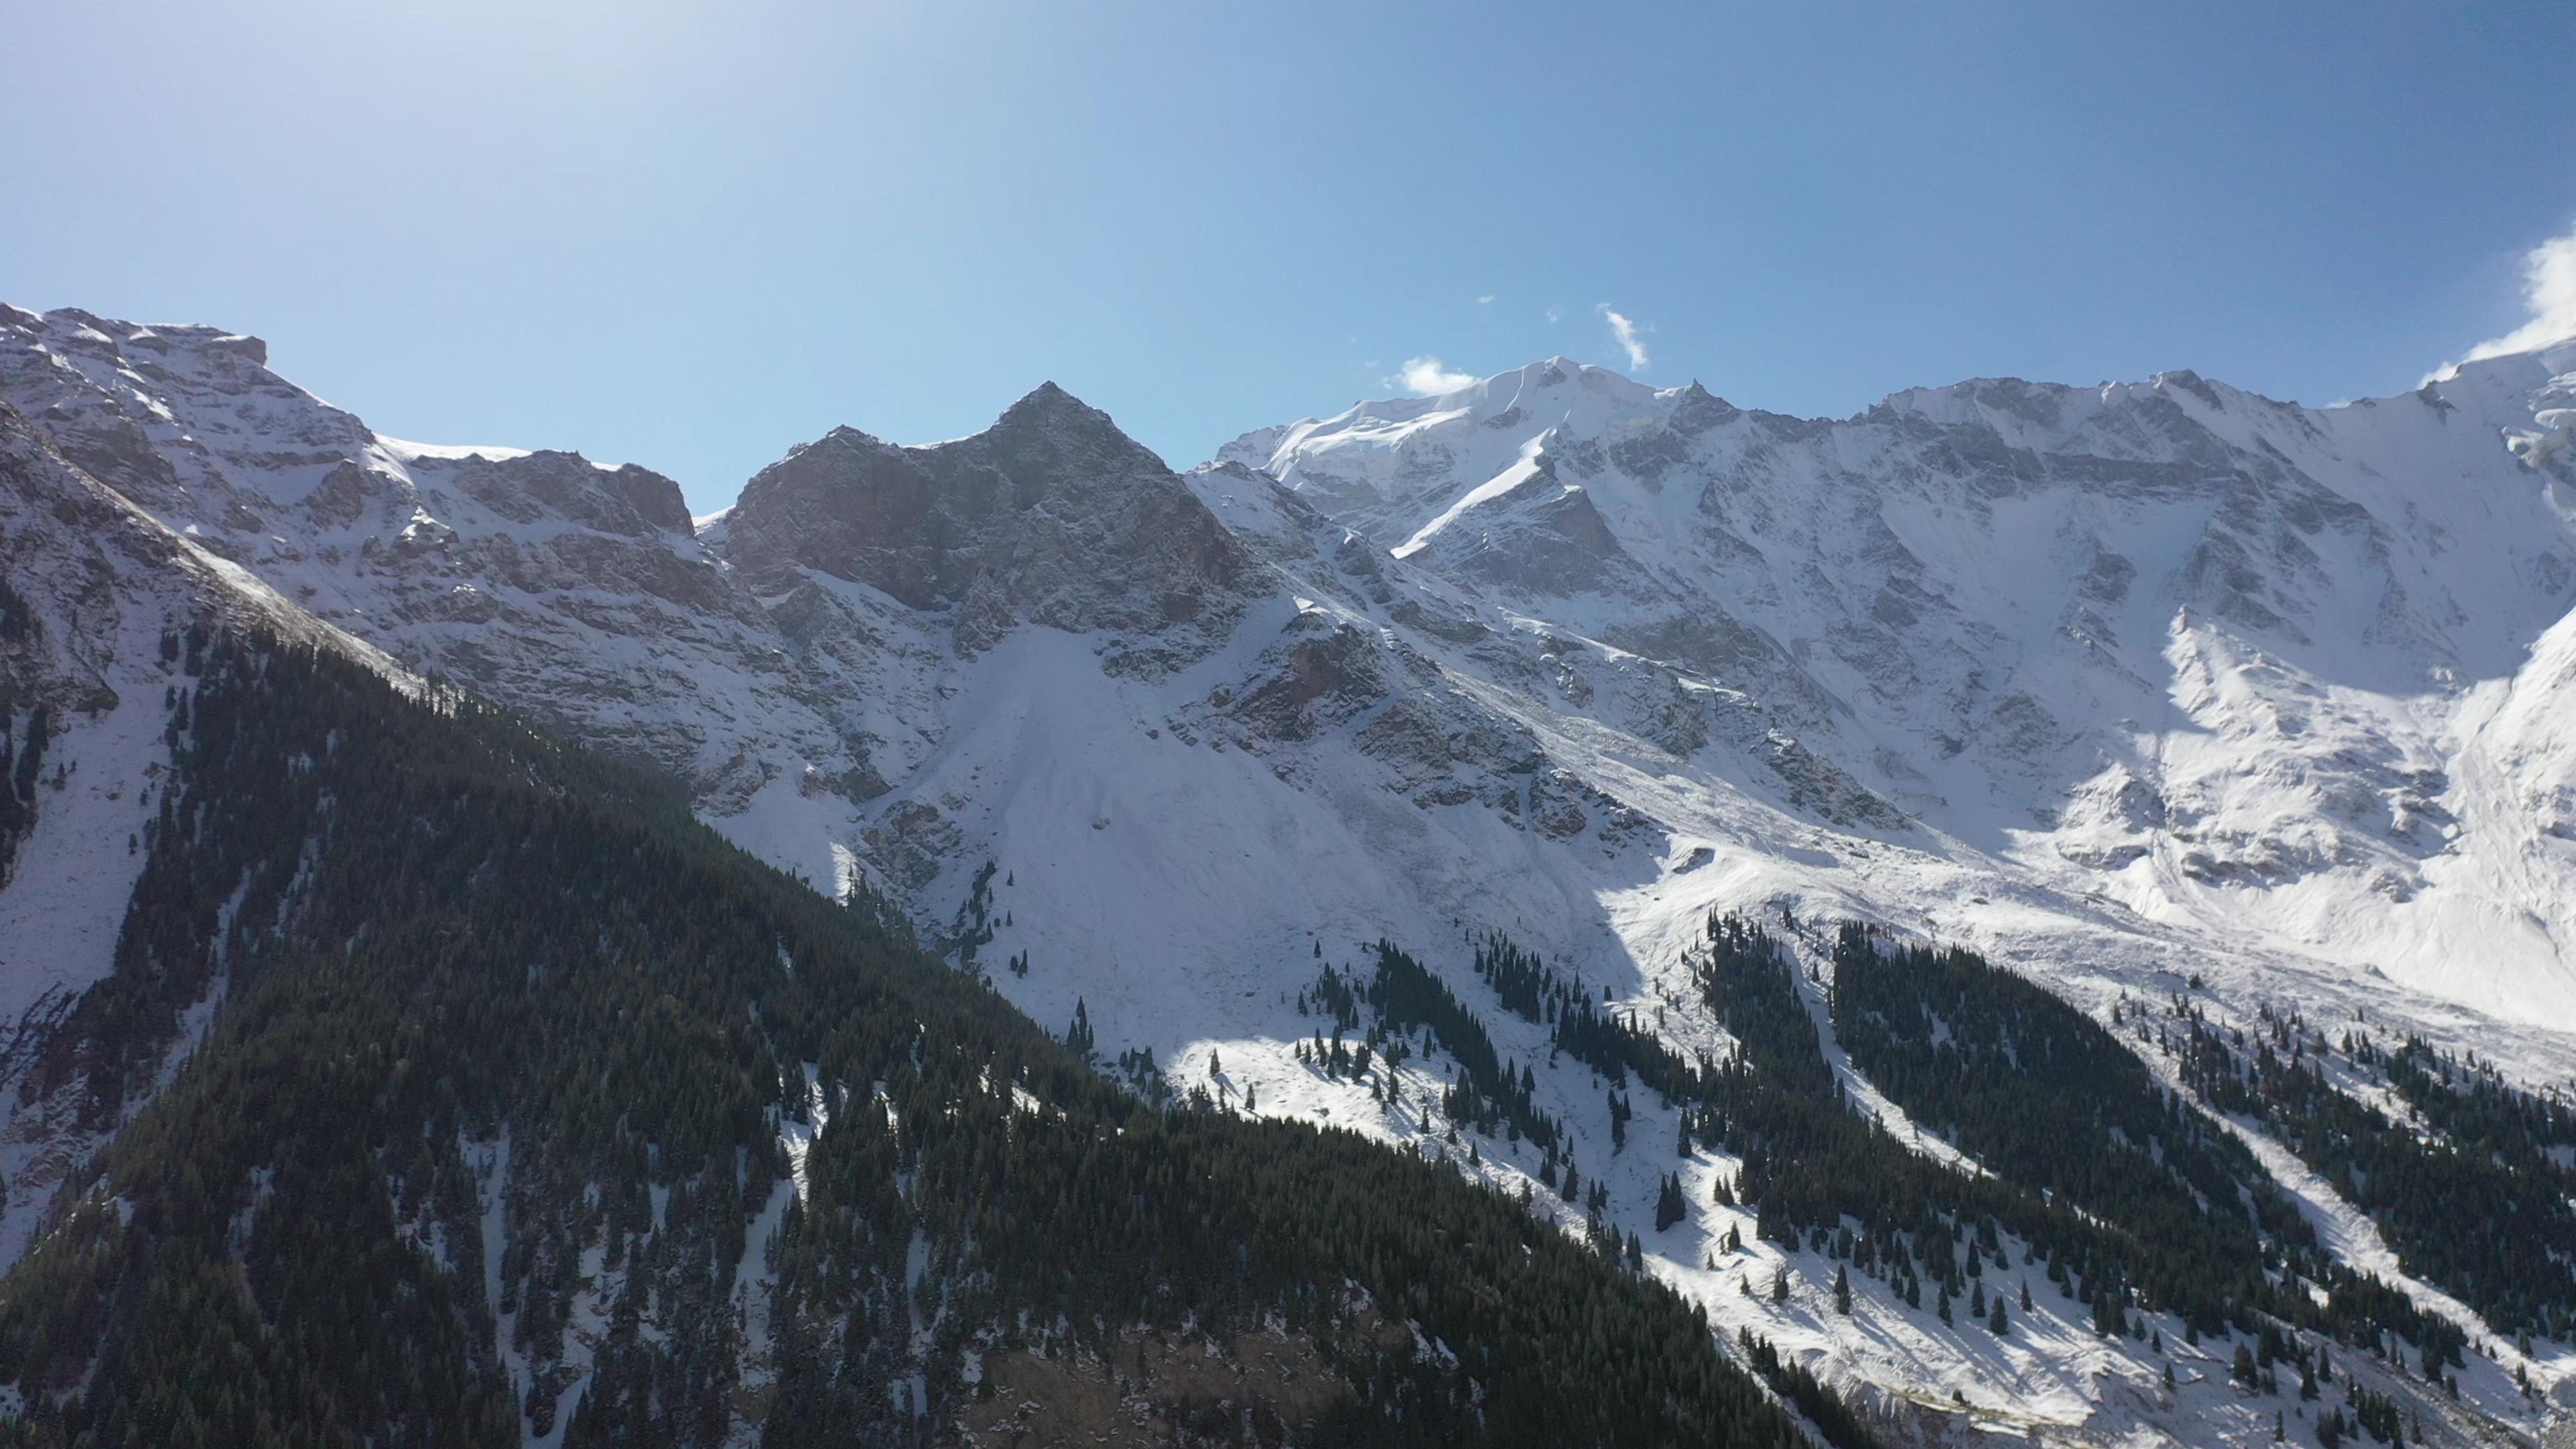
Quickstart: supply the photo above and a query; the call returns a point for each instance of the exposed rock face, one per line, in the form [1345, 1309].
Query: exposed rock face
[1319, 683]
[1966, 604]
[1946, 620]
[1542, 537]
[1051, 517]
[2118, 683]
[506, 570]
[581, 593]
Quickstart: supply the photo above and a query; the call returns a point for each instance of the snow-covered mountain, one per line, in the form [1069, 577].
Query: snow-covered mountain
[2125, 686]
[2271, 673]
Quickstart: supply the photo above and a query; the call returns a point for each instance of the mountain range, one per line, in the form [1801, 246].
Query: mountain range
[2201, 739]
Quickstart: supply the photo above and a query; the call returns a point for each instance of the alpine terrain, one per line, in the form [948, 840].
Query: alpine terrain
[1558, 912]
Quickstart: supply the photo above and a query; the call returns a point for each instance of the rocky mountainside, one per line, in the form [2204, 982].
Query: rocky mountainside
[456, 1088]
[1052, 517]
[2155, 693]
[93, 590]
[2233, 664]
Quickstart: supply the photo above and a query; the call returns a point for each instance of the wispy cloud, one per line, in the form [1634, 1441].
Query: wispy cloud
[1486, 300]
[1428, 377]
[2549, 290]
[1556, 314]
[1626, 330]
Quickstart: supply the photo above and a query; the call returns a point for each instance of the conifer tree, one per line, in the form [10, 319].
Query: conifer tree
[1670, 1208]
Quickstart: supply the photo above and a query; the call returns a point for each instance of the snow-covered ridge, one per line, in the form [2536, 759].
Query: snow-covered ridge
[2118, 684]
[2224, 660]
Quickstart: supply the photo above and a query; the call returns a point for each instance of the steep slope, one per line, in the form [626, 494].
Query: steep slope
[1051, 517]
[537, 1114]
[95, 597]
[2127, 687]
[2231, 663]
[576, 590]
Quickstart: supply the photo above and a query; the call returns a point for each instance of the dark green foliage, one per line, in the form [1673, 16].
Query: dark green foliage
[1409, 998]
[973, 929]
[2377, 1415]
[1527, 988]
[1749, 982]
[1670, 1207]
[1813, 1166]
[2046, 1096]
[450, 945]
[2481, 1153]
[1337, 997]
[1790, 1380]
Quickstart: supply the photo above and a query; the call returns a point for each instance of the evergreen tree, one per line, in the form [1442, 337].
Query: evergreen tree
[1670, 1207]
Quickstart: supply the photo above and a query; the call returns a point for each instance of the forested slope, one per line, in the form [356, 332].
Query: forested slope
[534, 1106]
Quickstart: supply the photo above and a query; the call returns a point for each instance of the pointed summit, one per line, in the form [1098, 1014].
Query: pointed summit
[1047, 397]
[1698, 410]
[1051, 430]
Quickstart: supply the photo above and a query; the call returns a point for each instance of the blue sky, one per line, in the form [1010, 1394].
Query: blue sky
[693, 235]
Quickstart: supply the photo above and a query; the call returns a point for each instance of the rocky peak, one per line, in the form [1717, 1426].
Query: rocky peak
[627, 500]
[1697, 410]
[656, 498]
[1052, 433]
[1051, 516]
[186, 420]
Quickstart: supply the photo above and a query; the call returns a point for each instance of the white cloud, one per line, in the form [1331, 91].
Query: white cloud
[1486, 300]
[2549, 289]
[1626, 331]
[1428, 377]
[1556, 314]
